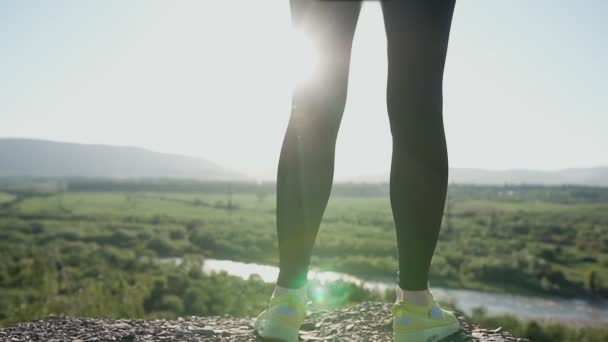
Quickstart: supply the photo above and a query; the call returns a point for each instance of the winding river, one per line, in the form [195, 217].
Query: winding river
[569, 311]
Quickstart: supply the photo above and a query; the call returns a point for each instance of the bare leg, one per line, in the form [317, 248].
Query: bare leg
[417, 34]
[306, 165]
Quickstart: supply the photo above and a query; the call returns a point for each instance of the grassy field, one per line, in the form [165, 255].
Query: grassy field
[5, 198]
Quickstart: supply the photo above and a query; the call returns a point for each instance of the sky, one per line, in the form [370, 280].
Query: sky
[522, 85]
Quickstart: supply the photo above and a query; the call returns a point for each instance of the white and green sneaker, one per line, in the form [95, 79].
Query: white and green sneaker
[283, 316]
[422, 323]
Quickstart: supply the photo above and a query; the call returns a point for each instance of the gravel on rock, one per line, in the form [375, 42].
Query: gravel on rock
[368, 321]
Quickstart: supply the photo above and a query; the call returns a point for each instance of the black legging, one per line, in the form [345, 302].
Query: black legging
[417, 35]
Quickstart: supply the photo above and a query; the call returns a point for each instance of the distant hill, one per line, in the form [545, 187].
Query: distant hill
[596, 176]
[41, 158]
[593, 176]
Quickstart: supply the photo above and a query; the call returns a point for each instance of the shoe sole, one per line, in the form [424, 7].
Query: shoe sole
[429, 335]
[271, 330]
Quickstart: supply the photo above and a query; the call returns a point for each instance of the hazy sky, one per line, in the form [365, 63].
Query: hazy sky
[524, 83]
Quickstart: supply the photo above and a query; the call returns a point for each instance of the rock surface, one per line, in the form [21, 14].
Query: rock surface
[363, 322]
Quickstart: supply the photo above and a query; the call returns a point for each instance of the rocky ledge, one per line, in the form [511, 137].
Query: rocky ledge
[363, 322]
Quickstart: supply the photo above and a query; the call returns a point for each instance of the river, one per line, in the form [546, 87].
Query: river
[570, 311]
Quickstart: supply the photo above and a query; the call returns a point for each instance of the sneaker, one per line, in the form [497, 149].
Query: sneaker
[283, 316]
[417, 323]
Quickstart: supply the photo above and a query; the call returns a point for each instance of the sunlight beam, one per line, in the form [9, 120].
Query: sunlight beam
[305, 57]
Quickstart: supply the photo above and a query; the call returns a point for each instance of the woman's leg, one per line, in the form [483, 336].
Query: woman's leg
[417, 35]
[306, 164]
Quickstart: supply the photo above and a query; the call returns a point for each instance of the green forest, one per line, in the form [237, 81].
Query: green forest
[90, 247]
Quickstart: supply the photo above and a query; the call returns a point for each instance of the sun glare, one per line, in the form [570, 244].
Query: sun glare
[304, 56]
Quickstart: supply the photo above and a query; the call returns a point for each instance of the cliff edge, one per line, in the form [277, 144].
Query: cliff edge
[363, 322]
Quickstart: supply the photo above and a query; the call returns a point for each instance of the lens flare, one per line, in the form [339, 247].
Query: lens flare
[319, 294]
[304, 55]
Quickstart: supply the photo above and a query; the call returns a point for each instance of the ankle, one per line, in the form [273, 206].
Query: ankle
[301, 292]
[418, 297]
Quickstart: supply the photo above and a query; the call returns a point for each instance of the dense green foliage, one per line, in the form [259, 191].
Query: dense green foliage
[79, 246]
[92, 280]
[527, 239]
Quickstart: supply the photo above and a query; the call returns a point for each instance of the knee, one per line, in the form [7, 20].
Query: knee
[317, 113]
[419, 126]
[324, 93]
[315, 128]
[421, 146]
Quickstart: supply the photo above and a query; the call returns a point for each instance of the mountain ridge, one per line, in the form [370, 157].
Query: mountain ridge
[24, 157]
[45, 158]
[589, 176]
